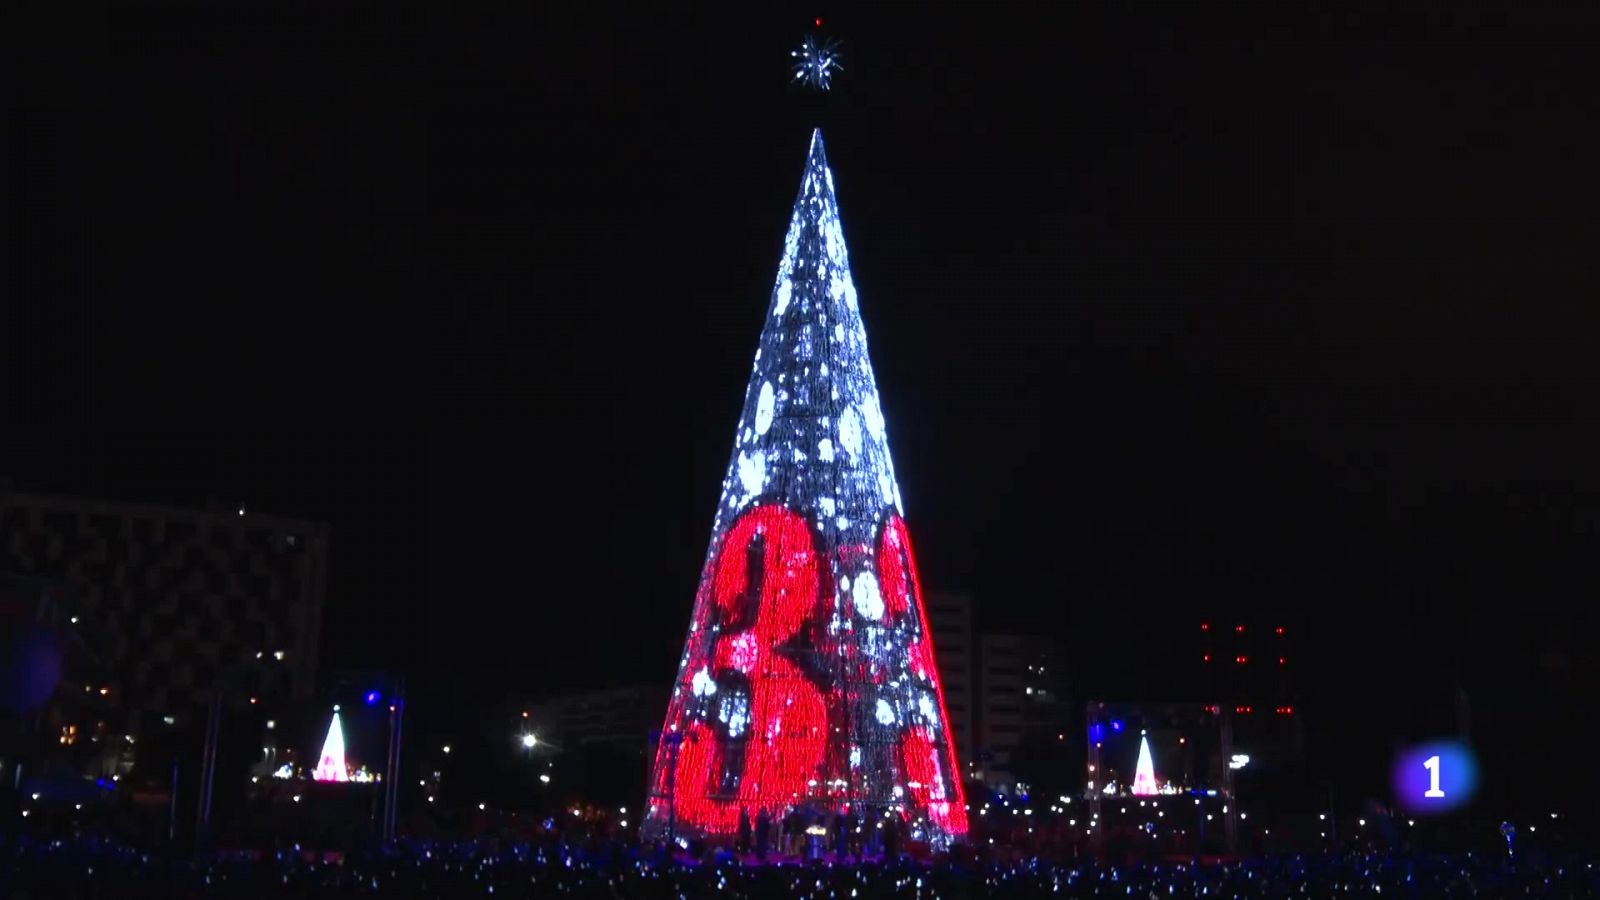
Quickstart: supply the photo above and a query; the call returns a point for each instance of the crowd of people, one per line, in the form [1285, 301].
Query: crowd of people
[35, 869]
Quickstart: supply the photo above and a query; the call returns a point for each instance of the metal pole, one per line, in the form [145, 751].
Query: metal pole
[391, 803]
[1230, 824]
[172, 805]
[208, 765]
[1096, 713]
[672, 789]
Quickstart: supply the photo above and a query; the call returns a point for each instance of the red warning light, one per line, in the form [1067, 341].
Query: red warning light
[1280, 629]
[1280, 660]
[1206, 658]
[1205, 626]
[1239, 628]
[819, 23]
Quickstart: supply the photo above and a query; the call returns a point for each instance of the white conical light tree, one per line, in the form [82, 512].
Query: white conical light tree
[331, 765]
[1144, 776]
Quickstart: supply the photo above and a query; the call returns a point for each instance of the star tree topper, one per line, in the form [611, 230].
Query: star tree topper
[816, 61]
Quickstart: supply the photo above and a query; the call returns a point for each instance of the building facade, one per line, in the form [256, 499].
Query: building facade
[1022, 705]
[620, 718]
[181, 599]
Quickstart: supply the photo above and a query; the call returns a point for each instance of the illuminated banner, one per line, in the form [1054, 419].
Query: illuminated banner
[807, 679]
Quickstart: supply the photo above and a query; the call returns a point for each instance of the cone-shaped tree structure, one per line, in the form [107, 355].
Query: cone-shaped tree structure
[808, 679]
[331, 765]
[1144, 774]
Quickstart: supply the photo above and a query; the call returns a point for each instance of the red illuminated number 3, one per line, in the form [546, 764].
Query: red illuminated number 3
[786, 728]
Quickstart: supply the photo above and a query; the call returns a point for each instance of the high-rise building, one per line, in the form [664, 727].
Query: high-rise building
[808, 676]
[1249, 667]
[955, 652]
[181, 598]
[1021, 689]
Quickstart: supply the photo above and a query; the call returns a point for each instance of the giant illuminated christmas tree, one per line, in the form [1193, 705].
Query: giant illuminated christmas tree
[807, 679]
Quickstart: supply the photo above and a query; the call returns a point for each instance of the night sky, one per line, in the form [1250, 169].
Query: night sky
[1173, 315]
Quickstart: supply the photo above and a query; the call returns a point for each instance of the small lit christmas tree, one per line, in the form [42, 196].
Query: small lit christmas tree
[807, 677]
[331, 765]
[1144, 776]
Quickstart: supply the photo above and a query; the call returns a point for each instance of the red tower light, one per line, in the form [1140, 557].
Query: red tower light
[1239, 628]
[1206, 658]
[1280, 629]
[1280, 661]
[1205, 626]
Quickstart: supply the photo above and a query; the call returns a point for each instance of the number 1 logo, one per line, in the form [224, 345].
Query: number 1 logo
[1432, 765]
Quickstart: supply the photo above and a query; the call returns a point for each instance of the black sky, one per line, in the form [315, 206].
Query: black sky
[1171, 312]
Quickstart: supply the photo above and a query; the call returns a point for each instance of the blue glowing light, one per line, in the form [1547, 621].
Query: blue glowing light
[1435, 777]
[373, 697]
[1116, 724]
[1097, 732]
